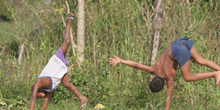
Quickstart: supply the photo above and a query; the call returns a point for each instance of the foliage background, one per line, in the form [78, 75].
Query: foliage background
[113, 27]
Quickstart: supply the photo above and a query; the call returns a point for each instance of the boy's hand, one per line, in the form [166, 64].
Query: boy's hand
[115, 60]
[68, 16]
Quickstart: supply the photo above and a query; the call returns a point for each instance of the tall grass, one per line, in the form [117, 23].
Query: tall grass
[113, 27]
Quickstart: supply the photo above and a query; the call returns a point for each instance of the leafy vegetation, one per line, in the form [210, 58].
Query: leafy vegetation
[113, 27]
[4, 13]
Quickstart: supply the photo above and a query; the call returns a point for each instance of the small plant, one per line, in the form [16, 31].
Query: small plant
[19, 103]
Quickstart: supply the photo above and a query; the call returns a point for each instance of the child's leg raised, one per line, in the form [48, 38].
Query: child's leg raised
[198, 59]
[67, 40]
[185, 70]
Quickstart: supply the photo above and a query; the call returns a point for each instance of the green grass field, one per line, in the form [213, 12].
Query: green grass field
[113, 27]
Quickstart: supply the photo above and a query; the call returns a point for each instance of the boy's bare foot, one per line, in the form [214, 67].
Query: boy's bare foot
[217, 78]
[83, 102]
[68, 16]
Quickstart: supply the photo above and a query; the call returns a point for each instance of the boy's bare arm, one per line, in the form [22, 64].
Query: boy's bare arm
[169, 93]
[115, 60]
[33, 97]
[46, 100]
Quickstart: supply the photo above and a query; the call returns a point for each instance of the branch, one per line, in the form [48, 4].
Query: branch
[158, 14]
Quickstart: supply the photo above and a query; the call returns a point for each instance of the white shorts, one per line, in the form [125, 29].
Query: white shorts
[55, 69]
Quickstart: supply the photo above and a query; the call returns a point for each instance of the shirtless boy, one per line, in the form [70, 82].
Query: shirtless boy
[179, 52]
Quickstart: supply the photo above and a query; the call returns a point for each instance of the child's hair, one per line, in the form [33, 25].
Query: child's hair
[156, 84]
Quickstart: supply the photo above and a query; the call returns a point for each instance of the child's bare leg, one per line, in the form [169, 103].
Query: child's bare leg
[67, 40]
[198, 59]
[185, 70]
[73, 89]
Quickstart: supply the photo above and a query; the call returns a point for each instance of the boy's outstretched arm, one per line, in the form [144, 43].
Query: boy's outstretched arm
[115, 60]
[46, 100]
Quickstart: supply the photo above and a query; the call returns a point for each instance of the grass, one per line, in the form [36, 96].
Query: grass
[5, 32]
[112, 28]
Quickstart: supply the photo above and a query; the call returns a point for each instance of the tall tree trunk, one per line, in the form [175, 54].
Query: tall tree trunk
[81, 32]
[158, 14]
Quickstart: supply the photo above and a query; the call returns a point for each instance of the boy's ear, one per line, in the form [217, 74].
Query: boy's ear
[152, 78]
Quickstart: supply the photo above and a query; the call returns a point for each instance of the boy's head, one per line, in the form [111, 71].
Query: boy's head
[156, 84]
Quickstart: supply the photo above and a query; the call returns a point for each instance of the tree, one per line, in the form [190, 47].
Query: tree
[81, 31]
[158, 14]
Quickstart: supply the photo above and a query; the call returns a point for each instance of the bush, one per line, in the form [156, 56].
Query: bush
[5, 15]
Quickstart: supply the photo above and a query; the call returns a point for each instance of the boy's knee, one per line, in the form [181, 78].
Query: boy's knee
[68, 42]
[201, 62]
[188, 79]
[66, 85]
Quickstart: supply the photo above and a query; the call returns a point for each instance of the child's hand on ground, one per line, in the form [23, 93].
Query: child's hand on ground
[114, 61]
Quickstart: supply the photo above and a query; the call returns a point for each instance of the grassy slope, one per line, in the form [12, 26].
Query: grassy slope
[123, 33]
